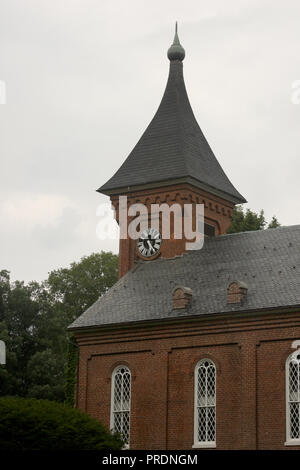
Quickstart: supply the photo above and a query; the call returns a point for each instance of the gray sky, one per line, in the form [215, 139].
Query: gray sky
[85, 77]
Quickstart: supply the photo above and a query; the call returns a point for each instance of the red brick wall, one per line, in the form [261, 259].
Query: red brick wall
[249, 352]
[217, 212]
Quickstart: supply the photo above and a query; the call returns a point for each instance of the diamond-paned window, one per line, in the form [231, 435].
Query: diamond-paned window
[120, 402]
[293, 397]
[205, 403]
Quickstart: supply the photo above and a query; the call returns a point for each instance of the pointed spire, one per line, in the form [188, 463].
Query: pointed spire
[176, 51]
[173, 149]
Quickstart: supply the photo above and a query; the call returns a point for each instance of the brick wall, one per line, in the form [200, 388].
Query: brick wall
[217, 212]
[249, 352]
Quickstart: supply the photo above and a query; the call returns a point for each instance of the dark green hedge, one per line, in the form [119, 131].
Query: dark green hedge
[30, 424]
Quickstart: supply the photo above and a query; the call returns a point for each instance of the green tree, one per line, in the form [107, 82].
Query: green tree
[45, 372]
[248, 220]
[18, 330]
[74, 289]
[6, 380]
[34, 320]
[4, 291]
[274, 223]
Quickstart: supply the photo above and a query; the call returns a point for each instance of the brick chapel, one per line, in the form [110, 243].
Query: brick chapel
[193, 349]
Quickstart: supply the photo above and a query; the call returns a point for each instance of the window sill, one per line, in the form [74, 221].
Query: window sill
[204, 445]
[292, 442]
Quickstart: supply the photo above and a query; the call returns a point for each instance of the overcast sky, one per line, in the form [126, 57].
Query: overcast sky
[84, 78]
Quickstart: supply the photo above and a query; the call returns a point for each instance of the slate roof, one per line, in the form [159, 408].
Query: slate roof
[268, 261]
[173, 147]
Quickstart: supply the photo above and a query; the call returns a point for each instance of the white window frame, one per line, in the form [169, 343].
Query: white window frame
[197, 443]
[295, 356]
[112, 411]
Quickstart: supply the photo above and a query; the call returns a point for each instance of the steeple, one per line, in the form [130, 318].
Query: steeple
[173, 149]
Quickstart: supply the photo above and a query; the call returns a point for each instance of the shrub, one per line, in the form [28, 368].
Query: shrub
[30, 424]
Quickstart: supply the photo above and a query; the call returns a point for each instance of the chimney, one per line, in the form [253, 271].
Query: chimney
[182, 297]
[236, 292]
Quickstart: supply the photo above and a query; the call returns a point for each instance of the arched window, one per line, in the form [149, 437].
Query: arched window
[120, 402]
[205, 404]
[293, 399]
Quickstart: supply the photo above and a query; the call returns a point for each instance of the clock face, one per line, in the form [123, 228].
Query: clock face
[149, 242]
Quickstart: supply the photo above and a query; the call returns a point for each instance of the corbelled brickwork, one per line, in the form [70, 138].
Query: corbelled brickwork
[249, 352]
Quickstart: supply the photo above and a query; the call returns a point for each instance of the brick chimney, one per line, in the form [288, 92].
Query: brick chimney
[236, 292]
[182, 297]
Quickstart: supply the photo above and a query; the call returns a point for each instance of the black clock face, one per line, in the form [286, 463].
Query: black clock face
[149, 242]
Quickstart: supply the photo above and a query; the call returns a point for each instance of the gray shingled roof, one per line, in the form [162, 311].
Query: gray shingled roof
[268, 261]
[173, 147]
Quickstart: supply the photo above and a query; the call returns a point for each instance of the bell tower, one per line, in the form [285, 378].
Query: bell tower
[171, 163]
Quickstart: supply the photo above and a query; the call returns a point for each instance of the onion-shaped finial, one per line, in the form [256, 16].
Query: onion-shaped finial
[176, 51]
